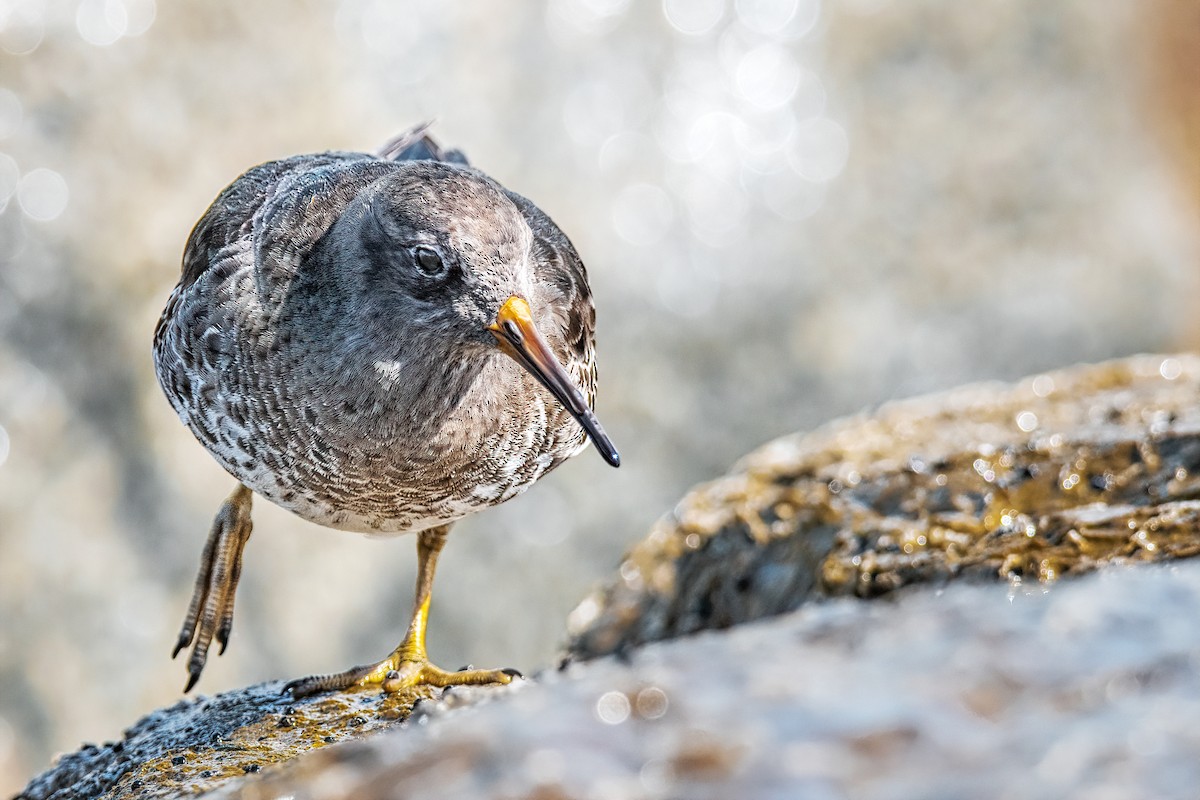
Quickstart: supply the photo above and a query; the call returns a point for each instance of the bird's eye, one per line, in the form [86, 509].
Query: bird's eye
[429, 261]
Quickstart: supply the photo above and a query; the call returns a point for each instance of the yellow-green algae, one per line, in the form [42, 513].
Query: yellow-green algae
[198, 744]
[274, 737]
[1056, 474]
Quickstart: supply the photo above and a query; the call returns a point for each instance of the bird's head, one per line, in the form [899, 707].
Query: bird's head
[449, 255]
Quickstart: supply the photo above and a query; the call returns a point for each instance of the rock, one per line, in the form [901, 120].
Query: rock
[1088, 690]
[951, 687]
[197, 744]
[1092, 686]
[1056, 474]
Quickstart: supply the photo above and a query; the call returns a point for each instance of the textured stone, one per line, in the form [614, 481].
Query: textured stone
[1034, 693]
[1089, 690]
[197, 744]
[1057, 473]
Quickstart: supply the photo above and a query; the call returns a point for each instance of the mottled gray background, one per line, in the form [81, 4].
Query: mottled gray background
[791, 209]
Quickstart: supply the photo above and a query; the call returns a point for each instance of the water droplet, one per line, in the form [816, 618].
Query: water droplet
[1170, 368]
[612, 708]
[1043, 385]
[651, 703]
[1027, 421]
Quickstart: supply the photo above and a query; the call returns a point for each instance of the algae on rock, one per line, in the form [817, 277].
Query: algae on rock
[1057, 473]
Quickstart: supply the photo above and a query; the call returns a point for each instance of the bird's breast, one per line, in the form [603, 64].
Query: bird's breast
[367, 444]
[380, 462]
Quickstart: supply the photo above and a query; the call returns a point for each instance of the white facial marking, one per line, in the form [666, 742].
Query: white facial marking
[389, 372]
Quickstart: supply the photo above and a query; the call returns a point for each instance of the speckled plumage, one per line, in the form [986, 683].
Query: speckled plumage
[326, 376]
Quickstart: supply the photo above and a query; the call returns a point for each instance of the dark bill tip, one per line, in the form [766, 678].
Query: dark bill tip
[604, 445]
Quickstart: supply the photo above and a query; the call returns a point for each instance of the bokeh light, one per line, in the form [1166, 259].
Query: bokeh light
[694, 17]
[43, 194]
[10, 175]
[22, 26]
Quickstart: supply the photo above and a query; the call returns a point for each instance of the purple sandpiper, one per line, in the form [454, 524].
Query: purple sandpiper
[381, 343]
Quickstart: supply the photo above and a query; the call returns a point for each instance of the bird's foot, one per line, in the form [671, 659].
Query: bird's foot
[397, 673]
[408, 665]
[210, 614]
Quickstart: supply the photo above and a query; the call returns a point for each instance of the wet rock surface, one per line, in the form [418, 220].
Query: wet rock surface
[197, 744]
[1089, 690]
[1058, 473]
[977, 674]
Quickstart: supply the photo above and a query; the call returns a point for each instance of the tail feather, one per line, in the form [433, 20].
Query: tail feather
[415, 144]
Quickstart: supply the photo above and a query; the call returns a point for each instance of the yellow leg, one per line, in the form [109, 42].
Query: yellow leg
[408, 665]
[210, 613]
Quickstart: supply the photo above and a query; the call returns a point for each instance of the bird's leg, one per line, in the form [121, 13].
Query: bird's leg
[210, 614]
[408, 665]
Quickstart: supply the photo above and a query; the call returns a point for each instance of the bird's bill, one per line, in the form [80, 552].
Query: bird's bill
[519, 339]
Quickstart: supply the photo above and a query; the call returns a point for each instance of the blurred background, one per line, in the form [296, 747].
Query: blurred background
[790, 209]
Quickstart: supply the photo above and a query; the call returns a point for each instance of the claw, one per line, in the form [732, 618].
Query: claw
[184, 640]
[210, 613]
[194, 671]
[222, 635]
[303, 687]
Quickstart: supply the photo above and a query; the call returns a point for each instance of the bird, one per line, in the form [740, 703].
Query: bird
[377, 342]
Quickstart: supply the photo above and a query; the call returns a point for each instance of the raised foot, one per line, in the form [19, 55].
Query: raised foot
[210, 613]
[394, 675]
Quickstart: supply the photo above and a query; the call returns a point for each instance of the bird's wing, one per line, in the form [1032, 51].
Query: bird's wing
[273, 215]
[231, 217]
[415, 144]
